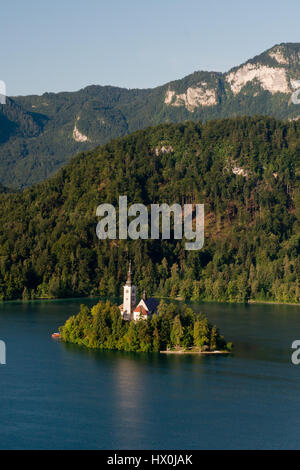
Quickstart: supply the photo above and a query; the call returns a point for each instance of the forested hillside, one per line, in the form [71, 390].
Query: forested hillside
[245, 171]
[39, 134]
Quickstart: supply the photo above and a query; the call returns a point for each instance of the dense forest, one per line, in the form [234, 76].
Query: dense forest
[245, 171]
[37, 132]
[172, 328]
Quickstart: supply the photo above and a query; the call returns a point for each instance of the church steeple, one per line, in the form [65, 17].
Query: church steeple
[129, 296]
[128, 283]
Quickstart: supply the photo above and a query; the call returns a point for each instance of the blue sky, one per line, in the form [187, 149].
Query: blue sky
[66, 45]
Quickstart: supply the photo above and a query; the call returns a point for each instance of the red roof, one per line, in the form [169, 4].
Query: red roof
[141, 310]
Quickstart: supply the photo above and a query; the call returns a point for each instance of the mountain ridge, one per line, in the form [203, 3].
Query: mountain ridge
[42, 132]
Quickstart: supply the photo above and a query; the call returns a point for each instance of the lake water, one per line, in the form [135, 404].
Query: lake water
[57, 396]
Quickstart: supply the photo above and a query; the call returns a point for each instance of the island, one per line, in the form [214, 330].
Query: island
[174, 329]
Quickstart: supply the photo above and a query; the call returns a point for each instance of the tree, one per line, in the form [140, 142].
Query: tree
[176, 331]
[156, 340]
[201, 332]
[213, 338]
[131, 342]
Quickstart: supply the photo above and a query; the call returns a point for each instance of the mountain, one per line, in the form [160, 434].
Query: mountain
[39, 134]
[246, 172]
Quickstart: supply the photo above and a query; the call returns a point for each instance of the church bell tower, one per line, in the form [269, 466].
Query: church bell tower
[129, 296]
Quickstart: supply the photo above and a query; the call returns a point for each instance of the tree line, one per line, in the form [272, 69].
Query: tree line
[173, 327]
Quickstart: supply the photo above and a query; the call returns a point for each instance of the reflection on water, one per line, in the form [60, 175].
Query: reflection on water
[56, 395]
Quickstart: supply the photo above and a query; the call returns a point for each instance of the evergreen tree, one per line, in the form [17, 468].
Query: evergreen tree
[176, 331]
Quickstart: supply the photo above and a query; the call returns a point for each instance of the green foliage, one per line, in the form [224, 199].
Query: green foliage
[201, 332]
[103, 328]
[176, 331]
[48, 245]
[36, 132]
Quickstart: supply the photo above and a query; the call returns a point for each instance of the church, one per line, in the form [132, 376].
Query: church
[129, 310]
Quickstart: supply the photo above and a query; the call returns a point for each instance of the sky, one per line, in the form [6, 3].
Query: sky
[65, 45]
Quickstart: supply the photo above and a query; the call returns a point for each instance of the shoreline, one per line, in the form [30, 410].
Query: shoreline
[272, 302]
[92, 297]
[203, 301]
[195, 352]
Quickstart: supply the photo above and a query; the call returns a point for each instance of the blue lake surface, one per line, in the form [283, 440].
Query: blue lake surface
[58, 396]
